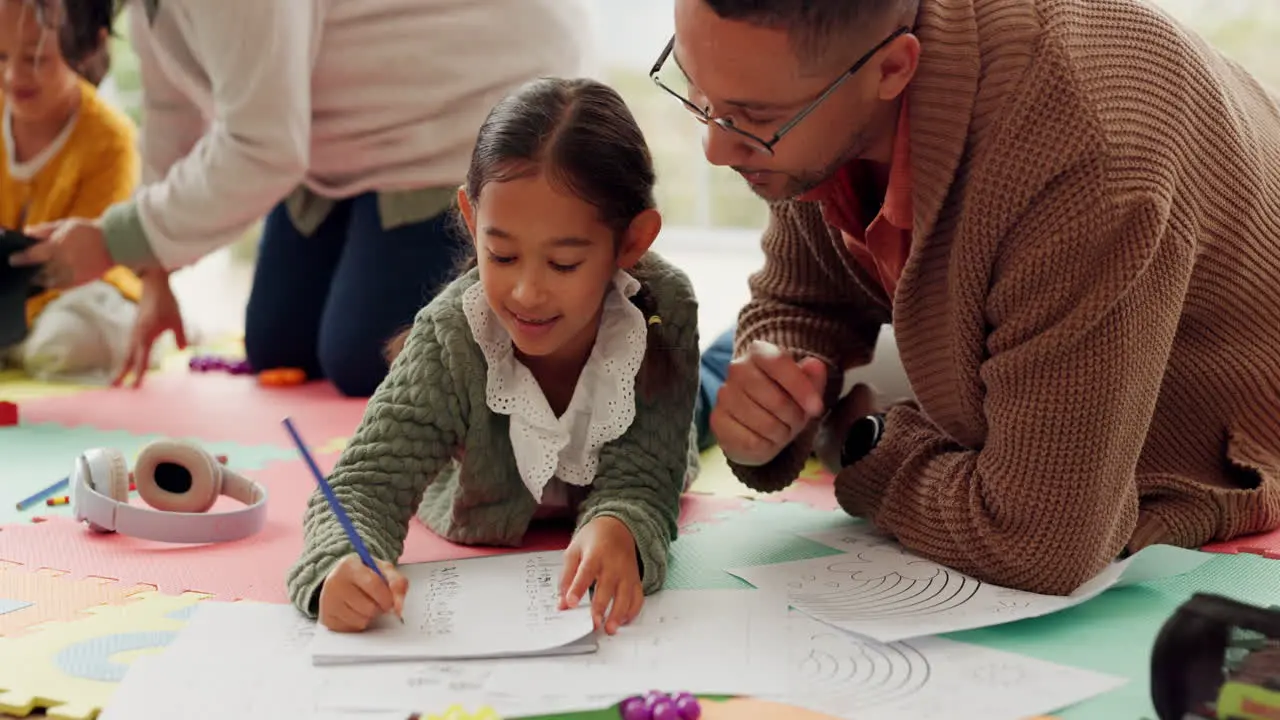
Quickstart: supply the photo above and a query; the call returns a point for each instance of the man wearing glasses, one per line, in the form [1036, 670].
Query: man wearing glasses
[1070, 214]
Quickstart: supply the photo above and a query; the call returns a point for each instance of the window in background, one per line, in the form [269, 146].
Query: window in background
[693, 193]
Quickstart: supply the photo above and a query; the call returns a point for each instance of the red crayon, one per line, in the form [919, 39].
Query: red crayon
[66, 499]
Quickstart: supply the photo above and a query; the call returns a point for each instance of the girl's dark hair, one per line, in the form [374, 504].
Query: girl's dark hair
[580, 134]
[80, 25]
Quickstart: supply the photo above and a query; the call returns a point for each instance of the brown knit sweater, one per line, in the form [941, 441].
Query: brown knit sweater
[1090, 313]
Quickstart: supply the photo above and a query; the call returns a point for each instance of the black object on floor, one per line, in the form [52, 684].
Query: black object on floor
[17, 285]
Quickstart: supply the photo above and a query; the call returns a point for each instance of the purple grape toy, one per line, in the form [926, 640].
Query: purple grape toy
[665, 710]
[656, 705]
[208, 363]
[634, 709]
[687, 706]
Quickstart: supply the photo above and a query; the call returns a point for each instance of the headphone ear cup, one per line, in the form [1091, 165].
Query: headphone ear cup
[115, 485]
[176, 476]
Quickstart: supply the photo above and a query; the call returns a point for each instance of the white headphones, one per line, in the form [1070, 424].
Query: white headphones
[179, 481]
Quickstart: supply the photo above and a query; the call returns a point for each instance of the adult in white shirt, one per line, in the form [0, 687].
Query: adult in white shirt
[348, 124]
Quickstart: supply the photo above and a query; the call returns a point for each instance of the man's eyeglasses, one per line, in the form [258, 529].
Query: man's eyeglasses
[704, 115]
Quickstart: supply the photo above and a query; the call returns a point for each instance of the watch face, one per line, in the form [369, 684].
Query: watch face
[862, 437]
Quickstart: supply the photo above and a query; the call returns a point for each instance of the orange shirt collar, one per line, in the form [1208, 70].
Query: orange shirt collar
[897, 207]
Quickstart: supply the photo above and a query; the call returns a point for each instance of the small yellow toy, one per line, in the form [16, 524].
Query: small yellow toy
[457, 712]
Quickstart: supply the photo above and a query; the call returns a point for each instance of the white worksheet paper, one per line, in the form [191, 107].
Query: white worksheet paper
[710, 642]
[878, 589]
[250, 661]
[716, 642]
[232, 660]
[842, 675]
[486, 607]
[271, 675]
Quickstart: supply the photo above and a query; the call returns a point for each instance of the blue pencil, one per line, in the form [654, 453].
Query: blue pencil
[338, 510]
[24, 504]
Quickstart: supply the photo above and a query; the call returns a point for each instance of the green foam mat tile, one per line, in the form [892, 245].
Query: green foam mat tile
[36, 455]
[760, 535]
[1114, 632]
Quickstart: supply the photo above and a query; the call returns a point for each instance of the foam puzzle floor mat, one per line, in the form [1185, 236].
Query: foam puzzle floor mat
[31, 598]
[76, 662]
[253, 568]
[70, 669]
[1267, 545]
[813, 486]
[67, 594]
[35, 455]
[209, 407]
[17, 387]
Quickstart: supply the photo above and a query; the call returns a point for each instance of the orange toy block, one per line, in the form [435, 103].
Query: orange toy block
[280, 377]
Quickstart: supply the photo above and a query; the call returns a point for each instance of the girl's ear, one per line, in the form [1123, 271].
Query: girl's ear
[468, 212]
[640, 235]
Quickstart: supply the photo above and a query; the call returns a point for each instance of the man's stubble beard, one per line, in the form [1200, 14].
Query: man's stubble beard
[800, 183]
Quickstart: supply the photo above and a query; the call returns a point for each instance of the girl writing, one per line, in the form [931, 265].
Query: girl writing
[557, 376]
[66, 153]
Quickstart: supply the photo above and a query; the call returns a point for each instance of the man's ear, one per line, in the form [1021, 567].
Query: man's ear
[897, 68]
[639, 237]
[468, 212]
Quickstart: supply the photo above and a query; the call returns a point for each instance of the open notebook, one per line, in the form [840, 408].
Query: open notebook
[500, 606]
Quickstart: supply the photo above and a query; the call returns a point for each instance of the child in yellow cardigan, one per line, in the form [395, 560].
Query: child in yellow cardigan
[65, 153]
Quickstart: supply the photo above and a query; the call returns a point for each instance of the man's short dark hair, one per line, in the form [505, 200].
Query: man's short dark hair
[813, 24]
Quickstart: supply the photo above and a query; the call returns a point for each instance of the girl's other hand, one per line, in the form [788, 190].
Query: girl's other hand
[353, 595]
[603, 553]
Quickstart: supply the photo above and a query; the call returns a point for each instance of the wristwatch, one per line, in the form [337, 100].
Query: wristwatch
[864, 435]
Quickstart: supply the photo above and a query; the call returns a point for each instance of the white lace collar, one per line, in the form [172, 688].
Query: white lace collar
[603, 404]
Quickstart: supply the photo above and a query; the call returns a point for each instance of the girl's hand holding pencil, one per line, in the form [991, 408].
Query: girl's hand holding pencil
[353, 595]
[365, 587]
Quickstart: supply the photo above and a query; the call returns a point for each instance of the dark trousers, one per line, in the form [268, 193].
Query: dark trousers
[329, 303]
[714, 368]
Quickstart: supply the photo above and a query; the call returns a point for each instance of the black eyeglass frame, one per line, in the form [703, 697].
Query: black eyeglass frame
[766, 146]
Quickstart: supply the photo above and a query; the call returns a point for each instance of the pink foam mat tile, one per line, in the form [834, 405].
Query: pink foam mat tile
[212, 407]
[1265, 544]
[253, 568]
[699, 510]
[819, 496]
[31, 598]
[815, 487]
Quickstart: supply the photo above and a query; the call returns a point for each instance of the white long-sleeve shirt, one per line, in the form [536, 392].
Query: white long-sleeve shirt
[245, 100]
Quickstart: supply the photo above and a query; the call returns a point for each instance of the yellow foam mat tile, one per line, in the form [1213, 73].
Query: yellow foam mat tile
[178, 360]
[15, 386]
[70, 669]
[716, 478]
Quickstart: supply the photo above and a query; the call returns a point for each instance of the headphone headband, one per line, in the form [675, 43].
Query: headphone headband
[179, 483]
